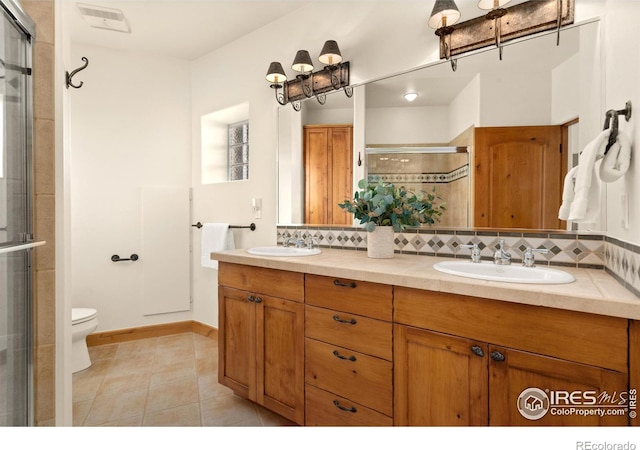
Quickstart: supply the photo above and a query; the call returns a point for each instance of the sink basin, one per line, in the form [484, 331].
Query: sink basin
[509, 274]
[275, 250]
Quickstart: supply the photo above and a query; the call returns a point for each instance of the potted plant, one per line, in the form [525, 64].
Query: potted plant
[384, 208]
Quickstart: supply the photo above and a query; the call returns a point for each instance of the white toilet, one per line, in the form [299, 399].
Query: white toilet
[84, 322]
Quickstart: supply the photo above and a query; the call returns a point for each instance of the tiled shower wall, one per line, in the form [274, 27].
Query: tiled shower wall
[42, 13]
[569, 249]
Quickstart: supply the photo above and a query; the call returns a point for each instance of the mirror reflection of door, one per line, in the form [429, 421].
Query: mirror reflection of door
[328, 173]
[519, 173]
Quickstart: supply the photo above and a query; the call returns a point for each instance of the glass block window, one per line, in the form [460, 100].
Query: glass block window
[239, 151]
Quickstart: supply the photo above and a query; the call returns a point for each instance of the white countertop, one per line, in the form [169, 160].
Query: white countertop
[593, 291]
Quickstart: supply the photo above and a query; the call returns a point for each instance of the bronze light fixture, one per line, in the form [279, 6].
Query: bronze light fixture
[444, 15]
[496, 13]
[499, 25]
[307, 84]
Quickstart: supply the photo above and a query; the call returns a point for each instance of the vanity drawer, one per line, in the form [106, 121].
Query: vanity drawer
[325, 409]
[357, 297]
[360, 378]
[370, 336]
[260, 280]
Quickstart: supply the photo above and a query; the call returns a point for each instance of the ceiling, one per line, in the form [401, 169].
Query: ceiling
[189, 29]
[185, 29]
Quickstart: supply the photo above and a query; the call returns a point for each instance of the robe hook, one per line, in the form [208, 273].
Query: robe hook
[69, 76]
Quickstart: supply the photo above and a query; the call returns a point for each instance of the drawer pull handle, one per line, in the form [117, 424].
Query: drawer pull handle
[340, 283]
[477, 350]
[497, 356]
[344, 408]
[338, 355]
[338, 319]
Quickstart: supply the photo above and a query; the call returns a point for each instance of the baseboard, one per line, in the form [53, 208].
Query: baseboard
[151, 331]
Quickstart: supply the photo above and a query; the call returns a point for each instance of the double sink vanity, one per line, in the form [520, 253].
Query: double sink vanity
[331, 337]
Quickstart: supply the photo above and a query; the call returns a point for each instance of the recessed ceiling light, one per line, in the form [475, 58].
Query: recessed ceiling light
[410, 96]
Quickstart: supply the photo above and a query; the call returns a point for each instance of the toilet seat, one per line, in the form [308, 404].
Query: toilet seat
[81, 315]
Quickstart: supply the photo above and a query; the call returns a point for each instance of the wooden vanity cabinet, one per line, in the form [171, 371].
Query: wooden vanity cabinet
[465, 361]
[261, 337]
[348, 344]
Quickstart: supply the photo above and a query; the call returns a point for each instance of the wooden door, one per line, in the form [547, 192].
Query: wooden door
[280, 356]
[438, 379]
[522, 371]
[328, 173]
[237, 342]
[518, 177]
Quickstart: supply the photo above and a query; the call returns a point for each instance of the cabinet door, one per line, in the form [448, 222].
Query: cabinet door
[518, 177]
[237, 342]
[565, 390]
[439, 379]
[328, 164]
[280, 355]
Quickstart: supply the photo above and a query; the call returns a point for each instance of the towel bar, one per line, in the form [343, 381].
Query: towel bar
[251, 226]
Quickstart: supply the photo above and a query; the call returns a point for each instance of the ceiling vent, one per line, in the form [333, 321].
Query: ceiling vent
[107, 18]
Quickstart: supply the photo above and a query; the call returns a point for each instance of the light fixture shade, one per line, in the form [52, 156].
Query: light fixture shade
[302, 62]
[445, 12]
[492, 4]
[330, 54]
[276, 74]
[410, 96]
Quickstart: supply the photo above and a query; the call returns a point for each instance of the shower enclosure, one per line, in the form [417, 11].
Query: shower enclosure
[16, 238]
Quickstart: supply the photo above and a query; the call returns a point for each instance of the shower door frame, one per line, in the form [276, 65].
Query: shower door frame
[27, 27]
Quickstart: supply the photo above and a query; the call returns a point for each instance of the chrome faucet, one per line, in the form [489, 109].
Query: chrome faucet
[529, 258]
[295, 240]
[475, 252]
[501, 256]
[309, 242]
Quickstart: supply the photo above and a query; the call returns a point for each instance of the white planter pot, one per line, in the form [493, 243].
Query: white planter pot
[380, 242]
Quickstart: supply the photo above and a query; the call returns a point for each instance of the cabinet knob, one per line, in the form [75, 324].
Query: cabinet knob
[258, 299]
[497, 356]
[251, 298]
[477, 350]
[344, 408]
[338, 319]
[348, 358]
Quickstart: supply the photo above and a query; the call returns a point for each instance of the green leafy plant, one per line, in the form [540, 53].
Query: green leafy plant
[384, 204]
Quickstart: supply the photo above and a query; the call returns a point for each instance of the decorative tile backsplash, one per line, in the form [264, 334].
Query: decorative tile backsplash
[569, 249]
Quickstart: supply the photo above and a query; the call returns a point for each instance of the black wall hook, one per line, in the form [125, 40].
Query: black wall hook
[69, 76]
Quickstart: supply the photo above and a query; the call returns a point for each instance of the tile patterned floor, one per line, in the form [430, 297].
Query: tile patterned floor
[164, 381]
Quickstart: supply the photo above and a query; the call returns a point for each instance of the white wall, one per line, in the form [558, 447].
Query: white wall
[464, 110]
[622, 72]
[565, 92]
[407, 125]
[130, 126]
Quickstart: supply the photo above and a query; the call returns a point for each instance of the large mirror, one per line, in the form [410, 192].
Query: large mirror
[468, 134]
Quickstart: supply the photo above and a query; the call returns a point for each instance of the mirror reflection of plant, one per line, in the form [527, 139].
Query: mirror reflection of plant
[384, 204]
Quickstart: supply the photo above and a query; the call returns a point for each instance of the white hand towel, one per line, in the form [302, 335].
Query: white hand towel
[586, 190]
[617, 160]
[215, 237]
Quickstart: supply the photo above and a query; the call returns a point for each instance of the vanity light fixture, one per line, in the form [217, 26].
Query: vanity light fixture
[410, 96]
[444, 15]
[307, 84]
[496, 13]
[499, 25]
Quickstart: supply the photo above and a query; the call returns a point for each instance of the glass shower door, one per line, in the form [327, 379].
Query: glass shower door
[15, 221]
